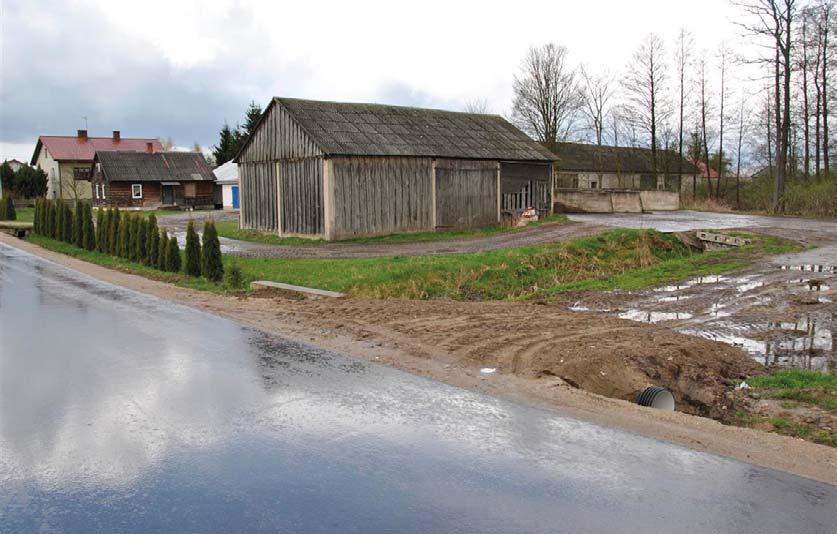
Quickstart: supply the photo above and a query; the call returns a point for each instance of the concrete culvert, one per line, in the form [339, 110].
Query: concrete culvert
[656, 397]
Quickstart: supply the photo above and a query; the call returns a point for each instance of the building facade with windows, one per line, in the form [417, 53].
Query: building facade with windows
[145, 180]
[67, 159]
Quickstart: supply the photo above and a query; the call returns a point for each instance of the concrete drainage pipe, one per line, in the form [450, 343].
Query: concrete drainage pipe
[656, 397]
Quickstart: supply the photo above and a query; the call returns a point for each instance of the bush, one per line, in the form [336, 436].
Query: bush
[67, 230]
[234, 277]
[114, 232]
[212, 266]
[163, 251]
[124, 236]
[101, 230]
[153, 244]
[78, 225]
[7, 209]
[173, 256]
[88, 234]
[141, 241]
[51, 217]
[193, 251]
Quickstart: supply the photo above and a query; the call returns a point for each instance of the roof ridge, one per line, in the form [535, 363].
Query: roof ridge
[378, 104]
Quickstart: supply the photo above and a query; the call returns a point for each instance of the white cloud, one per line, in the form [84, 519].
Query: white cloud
[182, 68]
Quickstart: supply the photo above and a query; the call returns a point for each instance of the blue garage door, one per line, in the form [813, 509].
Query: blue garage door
[235, 197]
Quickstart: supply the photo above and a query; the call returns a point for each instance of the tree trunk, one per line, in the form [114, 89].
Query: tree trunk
[824, 62]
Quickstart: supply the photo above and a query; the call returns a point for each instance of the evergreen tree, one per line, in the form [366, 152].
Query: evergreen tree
[124, 227]
[225, 150]
[132, 238]
[59, 220]
[35, 222]
[173, 256]
[101, 230]
[88, 232]
[78, 225]
[113, 232]
[7, 211]
[153, 245]
[142, 240]
[7, 179]
[251, 119]
[193, 251]
[163, 250]
[52, 216]
[212, 265]
[69, 237]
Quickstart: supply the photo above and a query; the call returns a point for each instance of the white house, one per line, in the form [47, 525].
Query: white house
[227, 179]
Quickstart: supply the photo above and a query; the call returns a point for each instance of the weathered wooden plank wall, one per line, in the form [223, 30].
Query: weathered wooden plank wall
[302, 196]
[259, 196]
[466, 193]
[381, 195]
[278, 137]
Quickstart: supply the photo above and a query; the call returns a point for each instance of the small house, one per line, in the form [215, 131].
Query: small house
[335, 170]
[152, 180]
[227, 188]
[67, 159]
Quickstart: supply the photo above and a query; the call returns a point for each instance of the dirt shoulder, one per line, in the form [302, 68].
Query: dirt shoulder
[532, 346]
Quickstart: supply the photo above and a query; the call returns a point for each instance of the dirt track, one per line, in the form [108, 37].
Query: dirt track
[526, 342]
[543, 234]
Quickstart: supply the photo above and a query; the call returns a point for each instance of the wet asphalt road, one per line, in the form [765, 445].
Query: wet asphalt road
[120, 412]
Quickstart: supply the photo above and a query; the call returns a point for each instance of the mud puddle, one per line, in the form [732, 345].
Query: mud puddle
[783, 315]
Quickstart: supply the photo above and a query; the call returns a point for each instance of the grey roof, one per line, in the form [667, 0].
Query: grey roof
[580, 157]
[157, 167]
[379, 130]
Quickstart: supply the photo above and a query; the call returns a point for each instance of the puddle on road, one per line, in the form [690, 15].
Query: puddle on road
[736, 310]
[809, 268]
[654, 317]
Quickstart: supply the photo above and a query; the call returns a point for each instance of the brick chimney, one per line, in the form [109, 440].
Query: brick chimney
[116, 136]
[82, 134]
[149, 147]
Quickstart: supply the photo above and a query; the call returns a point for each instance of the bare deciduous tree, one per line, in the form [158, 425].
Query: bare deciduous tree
[476, 105]
[723, 53]
[774, 20]
[704, 109]
[645, 88]
[596, 93]
[682, 58]
[546, 93]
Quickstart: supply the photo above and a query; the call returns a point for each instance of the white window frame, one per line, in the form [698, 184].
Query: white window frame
[134, 195]
[97, 191]
[103, 192]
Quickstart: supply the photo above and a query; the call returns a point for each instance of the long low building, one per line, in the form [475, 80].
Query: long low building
[152, 180]
[336, 170]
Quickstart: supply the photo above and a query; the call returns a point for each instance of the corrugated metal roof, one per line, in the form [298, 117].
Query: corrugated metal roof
[74, 148]
[227, 173]
[160, 167]
[340, 128]
[580, 157]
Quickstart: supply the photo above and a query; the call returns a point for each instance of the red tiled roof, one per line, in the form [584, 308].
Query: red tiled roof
[73, 148]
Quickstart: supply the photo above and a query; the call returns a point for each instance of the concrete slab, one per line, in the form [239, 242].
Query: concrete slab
[260, 284]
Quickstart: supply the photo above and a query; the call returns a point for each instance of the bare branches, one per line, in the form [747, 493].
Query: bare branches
[546, 95]
[644, 86]
[476, 105]
[596, 93]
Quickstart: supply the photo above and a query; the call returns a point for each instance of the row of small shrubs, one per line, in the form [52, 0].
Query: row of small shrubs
[7, 209]
[132, 237]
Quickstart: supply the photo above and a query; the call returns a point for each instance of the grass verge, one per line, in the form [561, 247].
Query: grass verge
[230, 229]
[614, 259]
[798, 385]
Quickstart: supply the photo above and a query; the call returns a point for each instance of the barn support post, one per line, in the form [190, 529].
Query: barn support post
[499, 195]
[279, 189]
[328, 200]
[433, 193]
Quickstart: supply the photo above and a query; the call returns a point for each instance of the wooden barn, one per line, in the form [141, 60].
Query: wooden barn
[337, 170]
[152, 180]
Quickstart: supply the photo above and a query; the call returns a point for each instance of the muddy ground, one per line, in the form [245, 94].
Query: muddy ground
[581, 363]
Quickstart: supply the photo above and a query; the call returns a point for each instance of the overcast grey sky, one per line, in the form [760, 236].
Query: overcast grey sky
[180, 68]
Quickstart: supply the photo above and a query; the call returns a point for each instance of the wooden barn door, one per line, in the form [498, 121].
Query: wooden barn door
[466, 193]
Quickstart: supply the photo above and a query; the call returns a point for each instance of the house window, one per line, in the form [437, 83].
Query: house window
[97, 191]
[81, 173]
[136, 191]
[593, 185]
[103, 192]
